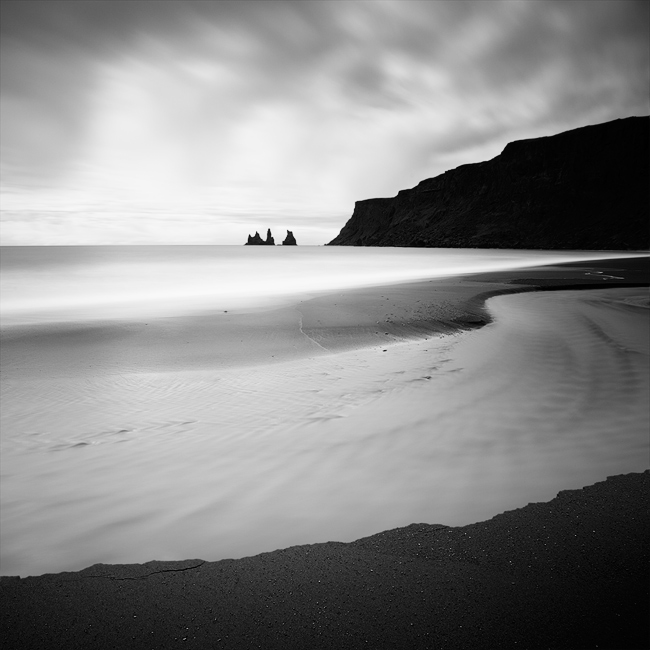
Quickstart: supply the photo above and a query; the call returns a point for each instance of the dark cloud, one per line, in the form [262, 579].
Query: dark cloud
[484, 44]
[583, 39]
[287, 31]
[51, 52]
[293, 35]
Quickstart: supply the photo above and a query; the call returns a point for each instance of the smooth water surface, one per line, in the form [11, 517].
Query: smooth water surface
[79, 283]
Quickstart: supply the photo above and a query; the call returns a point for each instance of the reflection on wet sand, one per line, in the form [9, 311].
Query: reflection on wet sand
[226, 463]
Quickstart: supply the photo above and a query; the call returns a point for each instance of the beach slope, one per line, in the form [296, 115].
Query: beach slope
[570, 573]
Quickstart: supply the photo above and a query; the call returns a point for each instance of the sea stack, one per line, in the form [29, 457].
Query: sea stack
[289, 240]
[256, 239]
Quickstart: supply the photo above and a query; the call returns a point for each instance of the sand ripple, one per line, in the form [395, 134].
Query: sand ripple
[552, 395]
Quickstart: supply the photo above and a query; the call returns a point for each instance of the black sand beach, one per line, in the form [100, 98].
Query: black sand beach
[570, 573]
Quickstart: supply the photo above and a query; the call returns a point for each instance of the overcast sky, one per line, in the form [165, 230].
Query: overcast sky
[200, 122]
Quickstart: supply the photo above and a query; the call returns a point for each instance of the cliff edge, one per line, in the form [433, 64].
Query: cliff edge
[584, 189]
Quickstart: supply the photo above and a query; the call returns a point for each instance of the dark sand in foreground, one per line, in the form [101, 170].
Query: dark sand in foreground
[571, 573]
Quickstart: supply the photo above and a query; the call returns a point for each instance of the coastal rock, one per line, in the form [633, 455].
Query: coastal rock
[289, 240]
[565, 574]
[256, 240]
[585, 189]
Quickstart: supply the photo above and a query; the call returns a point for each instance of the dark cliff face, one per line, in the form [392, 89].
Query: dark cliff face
[583, 189]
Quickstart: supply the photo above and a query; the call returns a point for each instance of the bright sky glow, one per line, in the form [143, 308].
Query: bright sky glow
[201, 122]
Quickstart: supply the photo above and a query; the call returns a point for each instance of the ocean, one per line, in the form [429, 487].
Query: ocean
[43, 284]
[169, 402]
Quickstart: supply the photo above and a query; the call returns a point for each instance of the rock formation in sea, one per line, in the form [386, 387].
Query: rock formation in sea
[289, 240]
[584, 189]
[256, 239]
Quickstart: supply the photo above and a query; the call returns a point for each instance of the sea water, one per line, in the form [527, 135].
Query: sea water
[80, 283]
[114, 462]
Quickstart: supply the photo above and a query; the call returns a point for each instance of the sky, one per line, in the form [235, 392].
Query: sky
[162, 122]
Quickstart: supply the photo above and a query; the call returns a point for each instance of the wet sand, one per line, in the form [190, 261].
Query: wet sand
[334, 418]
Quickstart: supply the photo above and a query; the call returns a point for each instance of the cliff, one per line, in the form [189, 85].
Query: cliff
[584, 189]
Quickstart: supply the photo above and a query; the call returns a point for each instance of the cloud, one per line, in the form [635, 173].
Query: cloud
[294, 106]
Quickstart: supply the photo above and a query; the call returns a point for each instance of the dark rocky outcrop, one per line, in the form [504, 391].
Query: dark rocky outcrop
[582, 189]
[289, 240]
[256, 240]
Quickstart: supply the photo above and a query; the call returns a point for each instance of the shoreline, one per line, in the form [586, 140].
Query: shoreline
[463, 297]
[473, 599]
[569, 573]
[462, 308]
